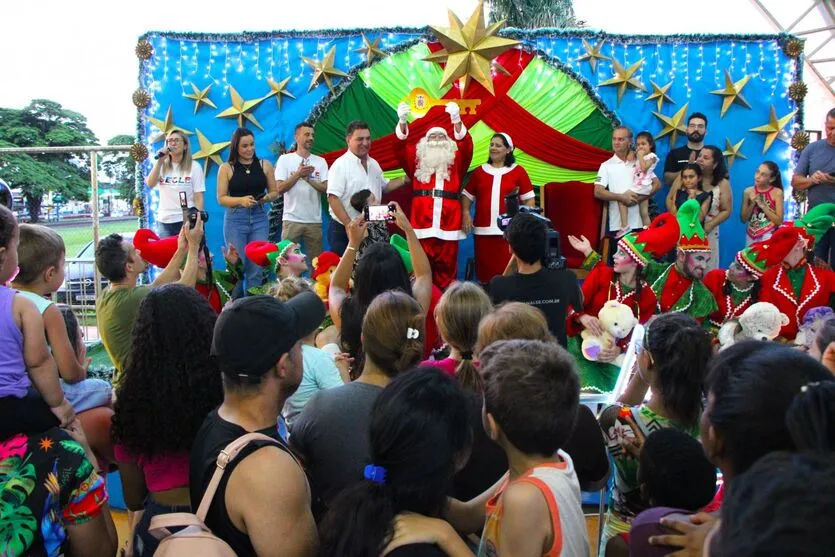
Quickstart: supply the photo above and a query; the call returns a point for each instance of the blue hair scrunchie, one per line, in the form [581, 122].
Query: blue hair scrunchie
[376, 474]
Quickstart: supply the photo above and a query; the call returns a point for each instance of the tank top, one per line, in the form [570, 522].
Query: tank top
[14, 381]
[758, 224]
[247, 179]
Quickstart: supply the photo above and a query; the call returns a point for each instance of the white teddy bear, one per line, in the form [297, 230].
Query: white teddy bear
[617, 321]
[761, 321]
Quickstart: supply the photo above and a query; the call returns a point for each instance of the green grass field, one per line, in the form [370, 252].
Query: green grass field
[78, 235]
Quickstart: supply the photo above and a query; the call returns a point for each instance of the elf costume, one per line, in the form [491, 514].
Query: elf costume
[796, 289]
[267, 254]
[603, 284]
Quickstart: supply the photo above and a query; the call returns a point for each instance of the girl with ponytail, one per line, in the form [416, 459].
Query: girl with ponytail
[418, 436]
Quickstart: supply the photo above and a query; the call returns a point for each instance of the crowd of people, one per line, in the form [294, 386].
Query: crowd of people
[403, 413]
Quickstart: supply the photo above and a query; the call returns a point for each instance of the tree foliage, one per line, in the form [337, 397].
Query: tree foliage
[531, 14]
[121, 168]
[45, 123]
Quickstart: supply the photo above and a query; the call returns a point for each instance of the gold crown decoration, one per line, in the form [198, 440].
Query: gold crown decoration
[144, 50]
[138, 152]
[793, 48]
[141, 98]
[800, 140]
[797, 91]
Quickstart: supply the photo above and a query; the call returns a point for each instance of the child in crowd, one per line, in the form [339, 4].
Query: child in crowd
[642, 177]
[691, 188]
[321, 370]
[377, 230]
[41, 263]
[762, 203]
[823, 347]
[24, 356]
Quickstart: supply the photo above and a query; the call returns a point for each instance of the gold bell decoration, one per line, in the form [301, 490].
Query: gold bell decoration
[138, 152]
[144, 50]
[141, 98]
[800, 140]
[797, 91]
[793, 48]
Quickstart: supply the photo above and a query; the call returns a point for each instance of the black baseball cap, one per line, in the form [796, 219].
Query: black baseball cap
[252, 333]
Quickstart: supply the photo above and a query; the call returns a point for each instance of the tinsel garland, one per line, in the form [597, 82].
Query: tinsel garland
[254, 36]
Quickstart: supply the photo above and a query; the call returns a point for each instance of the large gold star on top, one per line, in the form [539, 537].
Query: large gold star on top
[774, 128]
[166, 126]
[209, 151]
[593, 54]
[672, 125]
[732, 151]
[624, 79]
[324, 69]
[469, 50]
[241, 109]
[200, 97]
[371, 49]
[660, 93]
[732, 93]
[278, 89]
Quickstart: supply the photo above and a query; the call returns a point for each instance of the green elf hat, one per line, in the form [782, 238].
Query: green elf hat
[402, 247]
[761, 256]
[692, 234]
[266, 254]
[653, 243]
[816, 221]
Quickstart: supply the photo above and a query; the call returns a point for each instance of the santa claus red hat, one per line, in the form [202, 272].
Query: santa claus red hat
[325, 261]
[153, 249]
[437, 129]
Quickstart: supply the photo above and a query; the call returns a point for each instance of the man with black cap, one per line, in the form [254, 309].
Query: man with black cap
[262, 504]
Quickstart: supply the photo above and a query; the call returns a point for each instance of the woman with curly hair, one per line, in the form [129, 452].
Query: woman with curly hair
[169, 386]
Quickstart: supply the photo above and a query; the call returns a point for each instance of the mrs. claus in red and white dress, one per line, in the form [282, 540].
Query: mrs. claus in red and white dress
[488, 186]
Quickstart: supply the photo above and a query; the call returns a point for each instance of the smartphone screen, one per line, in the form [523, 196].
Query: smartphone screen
[377, 213]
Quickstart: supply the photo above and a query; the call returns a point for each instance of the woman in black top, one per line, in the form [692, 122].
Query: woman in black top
[244, 185]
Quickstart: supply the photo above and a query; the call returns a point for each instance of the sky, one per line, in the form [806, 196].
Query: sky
[81, 54]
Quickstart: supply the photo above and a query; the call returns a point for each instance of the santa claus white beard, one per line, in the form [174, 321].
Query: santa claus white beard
[434, 157]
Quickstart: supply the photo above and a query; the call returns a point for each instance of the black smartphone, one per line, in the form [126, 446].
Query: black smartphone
[260, 196]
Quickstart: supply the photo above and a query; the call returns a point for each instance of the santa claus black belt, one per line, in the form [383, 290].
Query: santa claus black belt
[438, 193]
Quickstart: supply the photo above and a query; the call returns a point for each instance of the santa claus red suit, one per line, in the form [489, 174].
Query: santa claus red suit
[437, 165]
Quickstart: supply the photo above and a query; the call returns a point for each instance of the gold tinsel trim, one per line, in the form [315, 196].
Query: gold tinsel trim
[793, 48]
[144, 50]
[799, 196]
[800, 140]
[138, 152]
[797, 91]
[141, 98]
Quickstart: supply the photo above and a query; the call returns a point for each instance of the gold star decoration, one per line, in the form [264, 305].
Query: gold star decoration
[209, 151]
[660, 93]
[469, 50]
[732, 151]
[278, 89]
[241, 109]
[200, 97]
[166, 126]
[371, 49]
[672, 125]
[774, 128]
[593, 54]
[732, 93]
[624, 79]
[323, 69]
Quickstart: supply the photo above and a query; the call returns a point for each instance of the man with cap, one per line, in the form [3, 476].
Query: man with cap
[263, 498]
[284, 259]
[795, 286]
[437, 166]
[488, 187]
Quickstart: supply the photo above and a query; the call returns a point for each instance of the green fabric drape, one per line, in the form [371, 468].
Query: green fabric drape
[394, 77]
[595, 130]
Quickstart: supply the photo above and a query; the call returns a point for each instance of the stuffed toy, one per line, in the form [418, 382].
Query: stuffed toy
[812, 322]
[761, 321]
[617, 321]
[323, 268]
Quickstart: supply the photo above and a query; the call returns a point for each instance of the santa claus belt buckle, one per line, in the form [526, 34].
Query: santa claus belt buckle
[438, 194]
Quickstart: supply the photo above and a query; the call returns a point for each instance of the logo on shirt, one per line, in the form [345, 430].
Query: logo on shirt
[175, 180]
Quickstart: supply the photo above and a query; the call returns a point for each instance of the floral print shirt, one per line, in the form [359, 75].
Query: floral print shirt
[46, 484]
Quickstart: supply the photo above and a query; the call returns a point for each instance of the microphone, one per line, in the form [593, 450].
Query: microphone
[162, 153]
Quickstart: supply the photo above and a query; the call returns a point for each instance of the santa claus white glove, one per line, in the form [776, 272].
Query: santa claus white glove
[403, 111]
[454, 112]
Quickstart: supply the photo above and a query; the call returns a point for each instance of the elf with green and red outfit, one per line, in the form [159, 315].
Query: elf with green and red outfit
[795, 286]
[284, 259]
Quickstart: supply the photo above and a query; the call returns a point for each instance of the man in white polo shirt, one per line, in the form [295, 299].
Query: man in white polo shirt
[352, 172]
[614, 183]
[302, 178]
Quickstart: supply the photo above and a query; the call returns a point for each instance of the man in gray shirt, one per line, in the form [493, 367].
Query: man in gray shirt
[815, 172]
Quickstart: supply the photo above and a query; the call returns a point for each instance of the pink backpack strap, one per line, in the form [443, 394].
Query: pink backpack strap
[161, 523]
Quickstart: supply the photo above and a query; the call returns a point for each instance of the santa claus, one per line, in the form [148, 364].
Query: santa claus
[437, 165]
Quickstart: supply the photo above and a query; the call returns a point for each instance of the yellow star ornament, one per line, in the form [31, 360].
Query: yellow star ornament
[624, 78]
[593, 54]
[371, 49]
[278, 89]
[774, 127]
[469, 50]
[732, 93]
[660, 93]
[241, 109]
[324, 69]
[209, 151]
[200, 97]
[732, 151]
[672, 125]
[166, 126]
